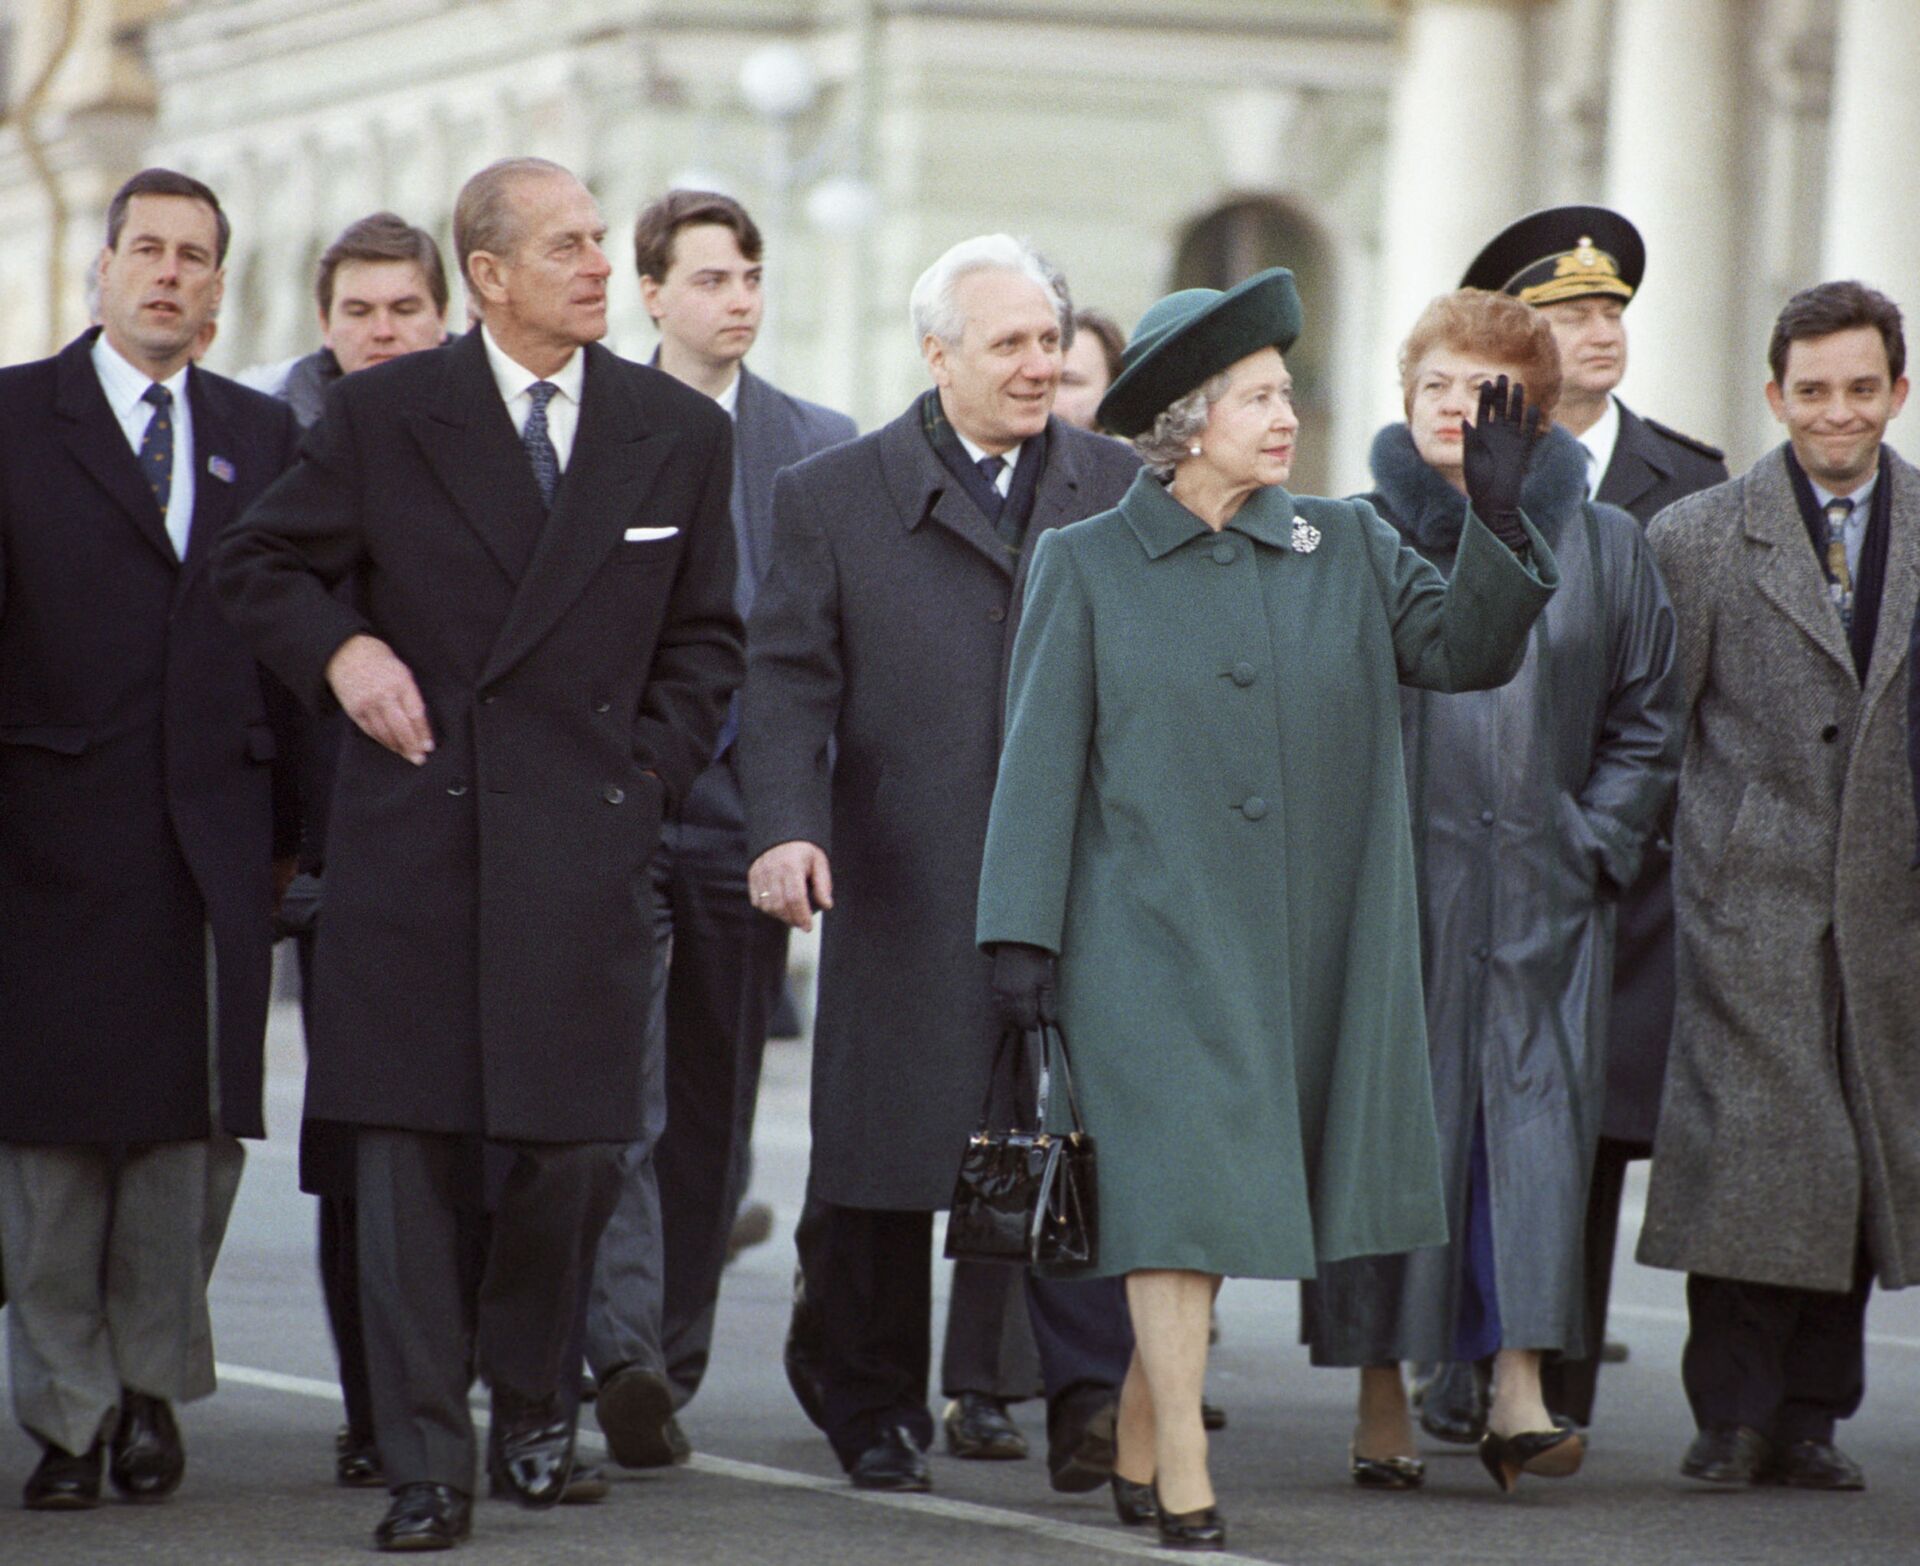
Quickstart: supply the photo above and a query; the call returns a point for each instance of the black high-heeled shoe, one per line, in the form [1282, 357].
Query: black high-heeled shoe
[1205, 1529]
[1134, 1502]
[1386, 1473]
[1549, 1454]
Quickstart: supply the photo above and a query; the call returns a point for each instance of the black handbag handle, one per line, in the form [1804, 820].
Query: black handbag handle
[1054, 1040]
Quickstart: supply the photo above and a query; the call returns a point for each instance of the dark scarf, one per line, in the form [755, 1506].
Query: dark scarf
[1007, 517]
[1430, 512]
[307, 383]
[1872, 575]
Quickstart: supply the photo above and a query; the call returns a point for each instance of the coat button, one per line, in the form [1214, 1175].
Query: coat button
[1253, 807]
[457, 787]
[1243, 674]
[1830, 733]
[603, 706]
[1486, 818]
[614, 794]
[996, 615]
[1224, 552]
[488, 701]
[1480, 954]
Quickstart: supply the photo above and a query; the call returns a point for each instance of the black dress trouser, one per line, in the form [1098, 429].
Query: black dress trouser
[1789, 1363]
[452, 1272]
[1568, 1382]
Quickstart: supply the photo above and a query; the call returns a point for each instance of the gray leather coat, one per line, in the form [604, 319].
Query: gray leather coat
[1531, 807]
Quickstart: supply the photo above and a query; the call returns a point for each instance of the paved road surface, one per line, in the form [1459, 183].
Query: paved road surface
[764, 1486]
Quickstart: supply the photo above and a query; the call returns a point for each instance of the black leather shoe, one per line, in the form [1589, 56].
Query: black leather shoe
[1133, 1503]
[977, 1427]
[1727, 1454]
[1453, 1405]
[1386, 1473]
[1551, 1454]
[424, 1517]
[1080, 1429]
[530, 1451]
[62, 1482]
[587, 1485]
[894, 1462]
[1205, 1529]
[1813, 1465]
[635, 1410]
[356, 1462]
[145, 1459]
[1212, 1416]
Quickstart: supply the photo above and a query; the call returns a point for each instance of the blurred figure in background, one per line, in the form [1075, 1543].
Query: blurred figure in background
[1092, 362]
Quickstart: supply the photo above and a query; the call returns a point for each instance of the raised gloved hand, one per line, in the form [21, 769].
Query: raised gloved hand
[1023, 985]
[1496, 449]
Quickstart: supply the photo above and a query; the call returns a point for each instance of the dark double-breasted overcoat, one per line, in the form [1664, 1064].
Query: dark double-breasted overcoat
[878, 653]
[137, 770]
[483, 965]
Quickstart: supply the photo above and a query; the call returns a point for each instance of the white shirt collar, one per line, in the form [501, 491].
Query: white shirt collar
[729, 399]
[513, 378]
[1599, 440]
[125, 383]
[1861, 497]
[1011, 456]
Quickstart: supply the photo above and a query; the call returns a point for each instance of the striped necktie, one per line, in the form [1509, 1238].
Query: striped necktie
[1839, 577]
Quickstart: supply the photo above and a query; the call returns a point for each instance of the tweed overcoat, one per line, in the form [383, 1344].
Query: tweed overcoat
[877, 657]
[1792, 1108]
[143, 782]
[483, 965]
[1652, 466]
[1532, 805]
[1202, 809]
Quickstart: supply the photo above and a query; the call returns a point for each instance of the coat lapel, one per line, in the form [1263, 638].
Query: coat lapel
[614, 462]
[1638, 465]
[469, 441]
[93, 436]
[1900, 588]
[1785, 570]
[214, 472]
[765, 442]
[924, 491]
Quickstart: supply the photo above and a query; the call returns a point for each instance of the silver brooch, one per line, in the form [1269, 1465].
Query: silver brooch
[1306, 538]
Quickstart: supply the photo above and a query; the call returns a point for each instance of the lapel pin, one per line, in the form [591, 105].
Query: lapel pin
[1306, 538]
[221, 469]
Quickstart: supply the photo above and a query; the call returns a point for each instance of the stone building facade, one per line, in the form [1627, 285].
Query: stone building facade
[1370, 144]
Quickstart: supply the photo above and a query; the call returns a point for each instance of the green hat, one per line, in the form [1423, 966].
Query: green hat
[1187, 337]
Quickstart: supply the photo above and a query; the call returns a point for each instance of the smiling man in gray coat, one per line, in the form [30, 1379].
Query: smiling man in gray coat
[1786, 1173]
[868, 747]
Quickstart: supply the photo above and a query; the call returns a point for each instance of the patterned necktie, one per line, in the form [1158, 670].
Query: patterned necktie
[156, 446]
[1839, 578]
[999, 513]
[540, 452]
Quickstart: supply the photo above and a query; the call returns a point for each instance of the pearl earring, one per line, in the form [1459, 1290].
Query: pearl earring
[1194, 449]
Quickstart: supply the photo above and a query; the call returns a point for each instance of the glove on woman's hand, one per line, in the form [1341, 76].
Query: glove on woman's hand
[1497, 447]
[1023, 985]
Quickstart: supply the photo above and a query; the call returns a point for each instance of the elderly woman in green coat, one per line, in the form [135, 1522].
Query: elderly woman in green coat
[1202, 814]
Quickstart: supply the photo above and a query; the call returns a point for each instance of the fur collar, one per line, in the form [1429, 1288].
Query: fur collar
[1430, 512]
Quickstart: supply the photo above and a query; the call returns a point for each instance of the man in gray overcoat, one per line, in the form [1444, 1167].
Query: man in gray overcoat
[869, 743]
[1786, 1172]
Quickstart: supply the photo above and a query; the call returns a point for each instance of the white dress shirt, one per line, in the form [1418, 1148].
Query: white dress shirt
[563, 409]
[126, 388]
[1855, 533]
[1011, 456]
[1599, 442]
[729, 399]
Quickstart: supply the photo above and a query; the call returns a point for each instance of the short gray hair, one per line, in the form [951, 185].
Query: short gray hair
[483, 217]
[1170, 439]
[932, 307]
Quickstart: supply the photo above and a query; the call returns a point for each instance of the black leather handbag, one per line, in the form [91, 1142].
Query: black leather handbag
[1027, 1194]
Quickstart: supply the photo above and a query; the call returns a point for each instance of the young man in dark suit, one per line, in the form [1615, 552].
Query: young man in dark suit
[657, 1276]
[869, 741]
[536, 666]
[139, 849]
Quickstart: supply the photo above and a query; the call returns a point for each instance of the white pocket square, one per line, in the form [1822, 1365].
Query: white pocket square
[646, 535]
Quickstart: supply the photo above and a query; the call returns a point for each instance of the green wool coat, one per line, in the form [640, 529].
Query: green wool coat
[1202, 809]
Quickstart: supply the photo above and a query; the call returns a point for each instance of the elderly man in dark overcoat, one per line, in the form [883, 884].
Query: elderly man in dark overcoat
[1786, 1171]
[137, 827]
[539, 654]
[869, 743]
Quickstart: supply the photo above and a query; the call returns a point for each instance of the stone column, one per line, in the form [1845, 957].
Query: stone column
[1872, 136]
[1673, 139]
[1458, 161]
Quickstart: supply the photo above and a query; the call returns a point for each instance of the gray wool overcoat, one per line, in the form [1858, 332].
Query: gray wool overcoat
[877, 668]
[1532, 806]
[1792, 1108]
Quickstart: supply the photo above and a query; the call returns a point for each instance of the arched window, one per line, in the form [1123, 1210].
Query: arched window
[1233, 242]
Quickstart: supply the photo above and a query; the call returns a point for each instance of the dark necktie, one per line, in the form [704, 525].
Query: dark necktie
[1839, 578]
[156, 446]
[999, 514]
[540, 452]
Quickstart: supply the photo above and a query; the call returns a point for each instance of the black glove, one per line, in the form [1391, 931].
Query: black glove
[1497, 447]
[1023, 985]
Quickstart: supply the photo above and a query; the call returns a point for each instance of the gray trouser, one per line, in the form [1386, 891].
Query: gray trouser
[108, 1252]
[627, 1296]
